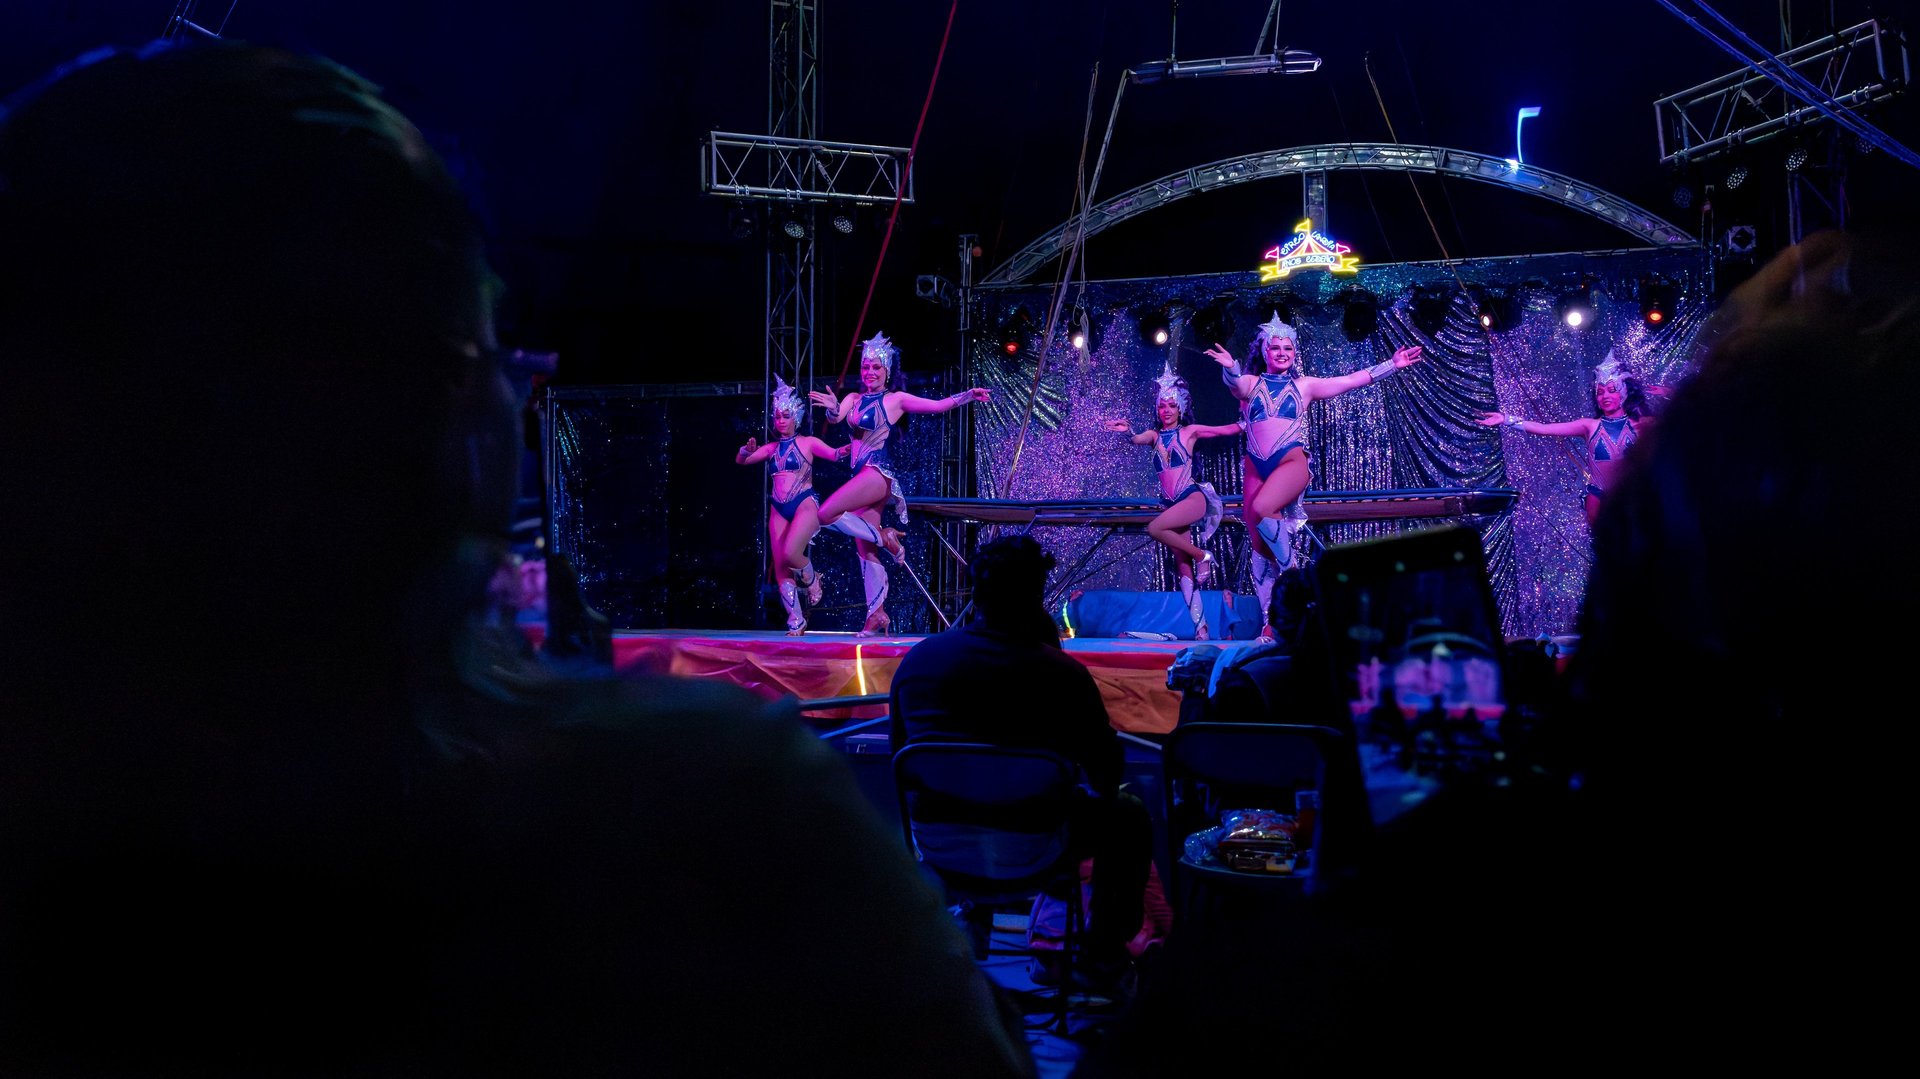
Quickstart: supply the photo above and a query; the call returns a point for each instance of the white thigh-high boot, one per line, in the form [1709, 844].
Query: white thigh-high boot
[1192, 596]
[1265, 573]
[790, 599]
[874, 576]
[1280, 540]
[885, 538]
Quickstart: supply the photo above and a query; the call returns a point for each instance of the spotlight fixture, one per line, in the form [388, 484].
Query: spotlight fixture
[1796, 158]
[1212, 324]
[1280, 301]
[1737, 177]
[1015, 331]
[1498, 309]
[1682, 196]
[742, 222]
[843, 222]
[934, 289]
[1155, 327]
[1361, 315]
[1657, 298]
[795, 228]
[1430, 306]
[1579, 308]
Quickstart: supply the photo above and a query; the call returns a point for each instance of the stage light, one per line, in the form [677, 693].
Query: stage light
[1212, 324]
[1657, 298]
[1430, 306]
[1498, 309]
[1015, 331]
[1796, 158]
[1280, 301]
[742, 222]
[1737, 177]
[1155, 327]
[1682, 196]
[794, 228]
[843, 222]
[1578, 308]
[1361, 315]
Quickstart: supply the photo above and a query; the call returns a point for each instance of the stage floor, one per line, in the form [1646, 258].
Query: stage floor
[1132, 674]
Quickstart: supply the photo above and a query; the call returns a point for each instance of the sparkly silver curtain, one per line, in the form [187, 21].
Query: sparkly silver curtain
[1417, 429]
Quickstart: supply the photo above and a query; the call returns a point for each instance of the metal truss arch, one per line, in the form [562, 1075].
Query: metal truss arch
[1346, 157]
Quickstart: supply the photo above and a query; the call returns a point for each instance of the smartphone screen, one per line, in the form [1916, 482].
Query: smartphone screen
[1414, 641]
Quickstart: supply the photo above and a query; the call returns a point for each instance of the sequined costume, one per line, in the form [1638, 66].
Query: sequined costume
[871, 428]
[1605, 447]
[793, 473]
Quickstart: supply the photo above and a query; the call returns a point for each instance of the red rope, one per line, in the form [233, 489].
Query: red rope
[860, 324]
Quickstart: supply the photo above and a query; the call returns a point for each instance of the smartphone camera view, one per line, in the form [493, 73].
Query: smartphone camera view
[1416, 642]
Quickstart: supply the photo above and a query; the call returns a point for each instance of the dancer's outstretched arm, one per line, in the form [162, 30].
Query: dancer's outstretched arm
[1201, 430]
[1320, 389]
[1570, 428]
[907, 402]
[1240, 384]
[836, 411]
[815, 449]
[749, 455]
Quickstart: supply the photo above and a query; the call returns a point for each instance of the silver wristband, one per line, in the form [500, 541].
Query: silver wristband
[1512, 420]
[1381, 370]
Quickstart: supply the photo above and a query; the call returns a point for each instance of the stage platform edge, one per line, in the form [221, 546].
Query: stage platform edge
[1131, 674]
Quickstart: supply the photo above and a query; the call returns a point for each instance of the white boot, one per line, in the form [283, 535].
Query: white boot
[790, 599]
[887, 539]
[874, 576]
[1194, 609]
[1265, 574]
[1279, 539]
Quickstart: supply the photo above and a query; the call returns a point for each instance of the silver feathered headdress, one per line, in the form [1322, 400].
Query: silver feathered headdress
[787, 401]
[1611, 370]
[1271, 329]
[1266, 332]
[1173, 388]
[879, 348]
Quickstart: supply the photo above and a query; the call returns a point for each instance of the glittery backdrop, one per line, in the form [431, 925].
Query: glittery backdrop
[667, 532]
[1416, 429]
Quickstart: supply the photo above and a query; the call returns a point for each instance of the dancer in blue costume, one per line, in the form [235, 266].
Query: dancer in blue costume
[795, 505]
[1624, 416]
[1191, 511]
[1278, 463]
[855, 508]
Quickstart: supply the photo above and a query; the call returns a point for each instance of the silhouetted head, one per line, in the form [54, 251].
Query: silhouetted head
[1010, 578]
[244, 315]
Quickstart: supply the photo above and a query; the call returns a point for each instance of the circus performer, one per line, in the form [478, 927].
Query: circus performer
[1190, 512]
[1624, 414]
[855, 508]
[795, 506]
[1278, 464]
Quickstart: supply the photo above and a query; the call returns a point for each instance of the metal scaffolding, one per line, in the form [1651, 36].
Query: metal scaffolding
[790, 174]
[1856, 67]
